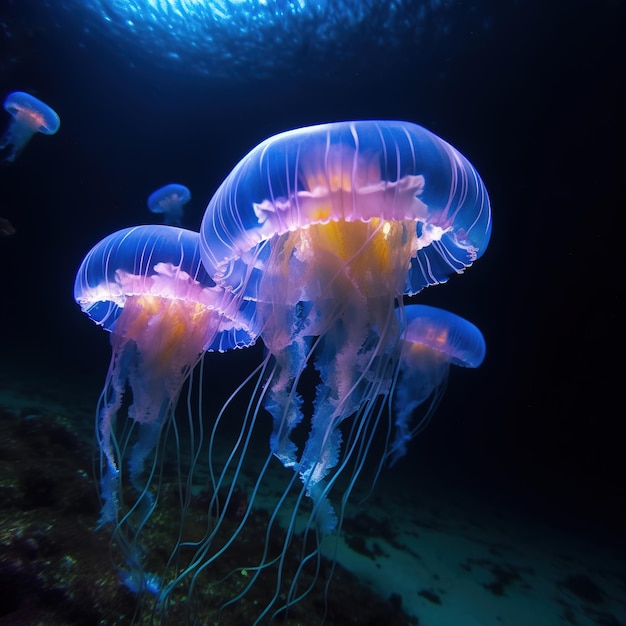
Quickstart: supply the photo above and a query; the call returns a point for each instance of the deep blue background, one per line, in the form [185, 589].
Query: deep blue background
[533, 102]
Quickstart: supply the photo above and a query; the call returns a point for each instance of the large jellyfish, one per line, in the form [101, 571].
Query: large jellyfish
[147, 287]
[169, 201]
[30, 116]
[432, 340]
[327, 229]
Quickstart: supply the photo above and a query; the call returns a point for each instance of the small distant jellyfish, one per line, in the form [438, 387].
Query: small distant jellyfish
[170, 200]
[30, 116]
[432, 340]
[6, 228]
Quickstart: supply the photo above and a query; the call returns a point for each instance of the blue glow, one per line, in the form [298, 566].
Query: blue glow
[252, 37]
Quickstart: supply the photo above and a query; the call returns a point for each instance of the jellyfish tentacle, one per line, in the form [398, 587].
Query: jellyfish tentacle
[410, 393]
[284, 403]
[111, 401]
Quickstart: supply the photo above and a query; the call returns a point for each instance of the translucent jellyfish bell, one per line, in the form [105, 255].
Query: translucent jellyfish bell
[147, 287]
[326, 229]
[170, 200]
[432, 340]
[30, 116]
[349, 172]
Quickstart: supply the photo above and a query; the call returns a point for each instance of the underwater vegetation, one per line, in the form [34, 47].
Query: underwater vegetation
[29, 116]
[311, 247]
[54, 569]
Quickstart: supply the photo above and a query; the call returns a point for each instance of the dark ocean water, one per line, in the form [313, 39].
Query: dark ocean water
[529, 93]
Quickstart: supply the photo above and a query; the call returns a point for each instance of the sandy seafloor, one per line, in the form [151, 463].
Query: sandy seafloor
[448, 552]
[461, 556]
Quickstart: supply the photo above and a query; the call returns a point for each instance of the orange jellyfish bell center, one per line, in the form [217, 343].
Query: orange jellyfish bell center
[431, 349]
[434, 338]
[348, 270]
[348, 228]
[374, 256]
[29, 117]
[170, 333]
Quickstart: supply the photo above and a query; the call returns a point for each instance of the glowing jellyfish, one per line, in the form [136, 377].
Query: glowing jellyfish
[169, 201]
[326, 229]
[30, 116]
[147, 287]
[432, 340]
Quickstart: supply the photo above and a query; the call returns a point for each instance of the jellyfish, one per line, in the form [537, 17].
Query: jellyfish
[432, 340]
[30, 116]
[147, 287]
[327, 229]
[6, 228]
[169, 201]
